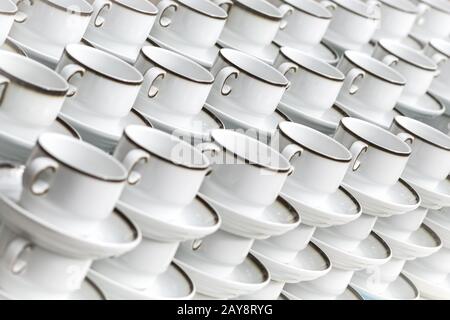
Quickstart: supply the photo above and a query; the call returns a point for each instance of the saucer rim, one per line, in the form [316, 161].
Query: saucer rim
[423, 112]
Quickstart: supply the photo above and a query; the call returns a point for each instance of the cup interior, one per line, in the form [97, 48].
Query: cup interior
[441, 46]
[166, 147]
[312, 64]
[7, 7]
[311, 7]
[78, 6]
[104, 63]
[375, 67]
[205, 7]
[315, 141]
[142, 6]
[408, 55]
[177, 64]
[82, 157]
[260, 6]
[375, 135]
[254, 67]
[402, 5]
[250, 150]
[424, 132]
[358, 7]
[32, 73]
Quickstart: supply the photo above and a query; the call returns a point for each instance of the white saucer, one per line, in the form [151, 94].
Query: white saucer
[429, 289]
[423, 36]
[439, 221]
[350, 294]
[433, 198]
[234, 118]
[426, 106]
[309, 264]
[123, 50]
[196, 220]
[230, 39]
[400, 289]
[372, 251]
[246, 278]
[173, 284]
[101, 132]
[256, 223]
[397, 199]
[336, 209]
[88, 291]
[16, 143]
[321, 50]
[167, 40]
[420, 243]
[10, 46]
[197, 128]
[326, 123]
[114, 236]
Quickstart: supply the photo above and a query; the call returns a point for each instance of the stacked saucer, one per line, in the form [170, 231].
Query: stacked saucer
[246, 93]
[43, 28]
[169, 78]
[165, 175]
[371, 89]
[58, 216]
[419, 72]
[31, 99]
[314, 87]
[102, 91]
[190, 28]
[305, 26]
[120, 27]
[247, 198]
[432, 21]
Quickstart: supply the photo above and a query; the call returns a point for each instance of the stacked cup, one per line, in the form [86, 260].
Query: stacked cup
[165, 175]
[432, 20]
[63, 219]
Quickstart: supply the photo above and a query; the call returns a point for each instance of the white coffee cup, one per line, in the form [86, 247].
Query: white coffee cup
[59, 22]
[418, 70]
[320, 162]
[127, 22]
[169, 78]
[430, 156]
[397, 19]
[8, 12]
[196, 22]
[247, 83]
[28, 270]
[369, 83]
[382, 163]
[308, 21]
[100, 83]
[165, 172]
[433, 18]
[315, 84]
[256, 21]
[245, 168]
[71, 183]
[354, 20]
[439, 51]
[32, 94]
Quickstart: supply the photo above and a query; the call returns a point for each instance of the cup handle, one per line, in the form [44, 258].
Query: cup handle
[209, 149]
[20, 15]
[291, 151]
[439, 59]
[132, 159]
[331, 6]
[68, 72]
[222, 79]
[353, 77]
[224, 4]
[286, 67]
[406, 137]
[165, 21]
[4, 82]
[286, 11]
[33, 172]
[99, 7]
[357, 149]
[196, 244]
[390, 60]
[423, 8]
[151, 77]
[14, 253]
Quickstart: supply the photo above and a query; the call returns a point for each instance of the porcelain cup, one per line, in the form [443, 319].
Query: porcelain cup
[172, 82]
[397, 19]
[418, 70]
[314, 84]
[369, 84]
[246, 83]
[439, 51]
[71, 183]
[381, 164]
[100, 84]
[8, 11]
[433, 17]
